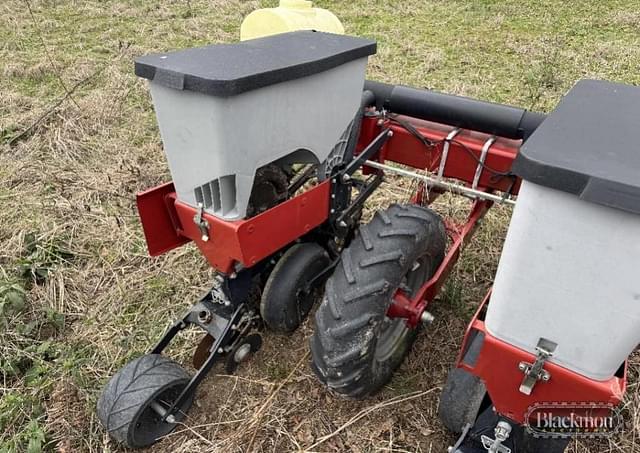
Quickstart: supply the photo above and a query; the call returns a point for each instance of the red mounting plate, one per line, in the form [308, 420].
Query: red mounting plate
[168, 223]
[497, 365]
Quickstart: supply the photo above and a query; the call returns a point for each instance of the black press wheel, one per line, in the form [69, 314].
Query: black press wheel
[461, 400]
[356, 347]
[129, 405]
[287, 299]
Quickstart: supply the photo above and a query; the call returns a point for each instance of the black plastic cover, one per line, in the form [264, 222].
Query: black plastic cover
[230, 69]
[589, 146]
[482, 116]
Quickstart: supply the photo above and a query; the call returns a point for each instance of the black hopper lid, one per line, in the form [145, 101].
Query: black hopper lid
[231, 69]
[588, 146]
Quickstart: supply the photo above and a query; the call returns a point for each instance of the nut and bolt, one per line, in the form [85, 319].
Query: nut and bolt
[427, 318]
[162, 412]
[204, 316]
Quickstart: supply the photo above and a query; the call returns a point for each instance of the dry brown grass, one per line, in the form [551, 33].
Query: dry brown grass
[67, 210]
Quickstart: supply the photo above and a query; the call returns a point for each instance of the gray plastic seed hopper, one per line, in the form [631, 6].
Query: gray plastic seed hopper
[226, 110]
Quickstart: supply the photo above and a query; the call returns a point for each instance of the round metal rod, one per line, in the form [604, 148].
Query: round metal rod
[454, 188]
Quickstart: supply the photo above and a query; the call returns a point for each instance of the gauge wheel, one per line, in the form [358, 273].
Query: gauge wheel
[129, 404]
[286, 299]
[356, 347]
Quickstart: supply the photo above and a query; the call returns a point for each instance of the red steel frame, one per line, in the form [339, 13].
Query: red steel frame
[168, 223]
[498, 362]
[497, 365]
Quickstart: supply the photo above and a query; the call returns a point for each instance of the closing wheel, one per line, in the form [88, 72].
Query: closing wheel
[461, 400]
[287, 298]
[242, 352]
[131, 402]
[356, 347]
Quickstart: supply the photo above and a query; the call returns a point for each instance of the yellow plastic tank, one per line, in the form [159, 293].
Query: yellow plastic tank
[291, 15]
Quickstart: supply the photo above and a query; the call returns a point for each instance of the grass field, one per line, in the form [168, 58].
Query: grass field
[78, 295]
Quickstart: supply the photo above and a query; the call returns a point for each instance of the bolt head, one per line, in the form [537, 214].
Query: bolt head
[427, 318]
[242, 353]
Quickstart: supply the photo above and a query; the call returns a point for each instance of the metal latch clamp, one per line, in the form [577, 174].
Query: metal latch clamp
[201, 222]
[534, 372]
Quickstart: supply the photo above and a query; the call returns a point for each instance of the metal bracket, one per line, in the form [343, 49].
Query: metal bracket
[342, 206]
[445, 151]
[201, 222]
[371, 149]
[456, 447]
[346, 218]
[483, 157]
[502, 432]
[534, 372]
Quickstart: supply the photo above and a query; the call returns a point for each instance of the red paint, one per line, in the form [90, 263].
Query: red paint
[242, 241]
[412, 309]
[406, 149]
[497, 366]
[159, 219]
[403, 307]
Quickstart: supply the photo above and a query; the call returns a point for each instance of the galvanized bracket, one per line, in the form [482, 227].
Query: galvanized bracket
[502, 432]
[201, 222]
[445, 152]
[534, 372]
[483, 157]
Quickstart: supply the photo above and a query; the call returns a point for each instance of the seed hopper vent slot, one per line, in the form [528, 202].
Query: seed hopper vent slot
[218, 196]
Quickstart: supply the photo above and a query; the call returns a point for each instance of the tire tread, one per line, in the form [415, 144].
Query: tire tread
[357, 296]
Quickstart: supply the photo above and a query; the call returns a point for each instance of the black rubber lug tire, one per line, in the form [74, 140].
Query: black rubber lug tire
[280, 306]
[129, 392]
[358, 294]
[461, 400]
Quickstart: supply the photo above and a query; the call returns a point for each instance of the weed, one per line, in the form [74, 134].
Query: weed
[41, 256]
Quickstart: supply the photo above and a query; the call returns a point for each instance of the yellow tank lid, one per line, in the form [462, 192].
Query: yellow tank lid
[290, 15]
